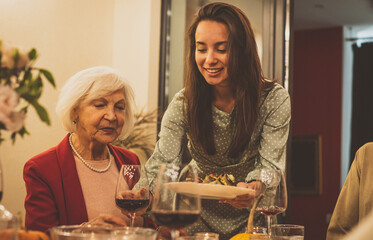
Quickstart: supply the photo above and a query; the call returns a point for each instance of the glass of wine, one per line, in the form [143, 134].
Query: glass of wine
[172, 208]
[275, 194]
[132, 192]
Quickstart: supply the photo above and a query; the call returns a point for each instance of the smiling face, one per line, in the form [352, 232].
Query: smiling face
[211, 52]
[100, 121]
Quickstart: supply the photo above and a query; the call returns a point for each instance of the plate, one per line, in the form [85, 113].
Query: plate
[208, 191]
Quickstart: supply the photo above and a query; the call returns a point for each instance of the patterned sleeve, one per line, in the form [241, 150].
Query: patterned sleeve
[168, 148]
[275, 131]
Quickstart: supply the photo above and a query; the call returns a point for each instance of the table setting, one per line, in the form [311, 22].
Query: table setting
[175, 203]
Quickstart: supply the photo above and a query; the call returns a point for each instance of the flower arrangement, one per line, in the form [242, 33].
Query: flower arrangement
[21, 85]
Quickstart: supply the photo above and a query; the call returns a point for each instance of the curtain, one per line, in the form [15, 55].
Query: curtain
[362, 97]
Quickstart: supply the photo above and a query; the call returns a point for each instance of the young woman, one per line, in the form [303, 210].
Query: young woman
[233, 118]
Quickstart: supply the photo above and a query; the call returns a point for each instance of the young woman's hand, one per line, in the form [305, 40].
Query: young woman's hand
[244, 201]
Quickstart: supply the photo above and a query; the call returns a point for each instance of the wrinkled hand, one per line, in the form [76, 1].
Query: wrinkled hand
[164, 233]
[244, 201]
[105, 220]
[135, 195]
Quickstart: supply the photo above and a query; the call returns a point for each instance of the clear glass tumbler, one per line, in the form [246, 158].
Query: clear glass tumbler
[207, 236]
[287, 232]
[77, 232]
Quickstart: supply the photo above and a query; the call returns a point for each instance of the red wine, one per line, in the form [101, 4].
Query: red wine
[132, 205]
[175, 219]
[1, 195]
[270, 211]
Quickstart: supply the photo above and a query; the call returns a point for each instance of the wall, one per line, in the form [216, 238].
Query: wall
[70, 36]
[136, 40]
[349, 32]
[316, 110]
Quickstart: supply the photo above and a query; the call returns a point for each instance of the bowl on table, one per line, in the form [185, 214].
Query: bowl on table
[77, 232]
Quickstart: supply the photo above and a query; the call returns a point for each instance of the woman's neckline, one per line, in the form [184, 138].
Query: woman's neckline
[222, 111]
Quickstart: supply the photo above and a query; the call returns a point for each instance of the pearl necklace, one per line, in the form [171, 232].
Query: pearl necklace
[86, 163]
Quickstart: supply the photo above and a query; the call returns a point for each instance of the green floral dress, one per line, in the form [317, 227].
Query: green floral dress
[267, 147]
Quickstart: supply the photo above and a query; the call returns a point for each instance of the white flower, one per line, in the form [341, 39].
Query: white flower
[17, 74]
[10, 53]
[9, 99]
[23, 60]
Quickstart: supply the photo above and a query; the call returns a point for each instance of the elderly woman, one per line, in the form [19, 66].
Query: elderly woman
[74, 182]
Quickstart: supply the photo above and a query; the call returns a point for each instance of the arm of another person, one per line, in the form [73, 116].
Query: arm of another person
[168, 148]
[346, 211]
[40, 205]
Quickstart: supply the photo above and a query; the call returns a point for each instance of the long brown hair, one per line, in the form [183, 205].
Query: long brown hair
[244, 72]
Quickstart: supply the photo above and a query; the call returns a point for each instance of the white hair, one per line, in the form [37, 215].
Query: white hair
[90, 84]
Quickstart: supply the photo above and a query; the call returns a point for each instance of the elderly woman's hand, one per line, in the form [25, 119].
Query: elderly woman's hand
[106, 220]
[244, 201]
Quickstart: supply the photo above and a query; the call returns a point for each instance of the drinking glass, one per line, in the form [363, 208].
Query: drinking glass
[259, 230]
[207, 235]
[132, 191]
[77, 232]
[1, 182]
[136, 233]
[287, 232]
[170, 207]
[8, 222]
[196, 238]
[275, 194]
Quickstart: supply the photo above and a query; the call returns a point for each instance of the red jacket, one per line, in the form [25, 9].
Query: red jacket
[54, 195]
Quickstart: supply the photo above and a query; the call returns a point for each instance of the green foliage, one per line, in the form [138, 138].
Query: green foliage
[18, 74]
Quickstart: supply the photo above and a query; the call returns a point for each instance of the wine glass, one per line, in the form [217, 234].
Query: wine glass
[8, 222]
[172, 208]
[132, 192]
[274, 200]
[1, 182]
[287, 231]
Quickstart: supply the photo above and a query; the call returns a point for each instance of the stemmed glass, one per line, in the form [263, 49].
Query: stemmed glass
[1, 182]
[275, 194]
[132, 192]
[172, 208]
[7, 220]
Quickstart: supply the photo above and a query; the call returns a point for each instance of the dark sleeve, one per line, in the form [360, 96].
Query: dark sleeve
[40, 205]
